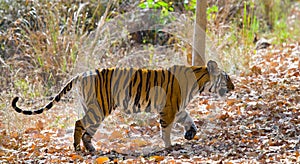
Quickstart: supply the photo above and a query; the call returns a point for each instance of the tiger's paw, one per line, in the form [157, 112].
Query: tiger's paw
[89, 147]
[190, 134]
[86, 138]
[77, 147]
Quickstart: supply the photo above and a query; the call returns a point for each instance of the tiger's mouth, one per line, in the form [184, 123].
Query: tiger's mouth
[222, 92]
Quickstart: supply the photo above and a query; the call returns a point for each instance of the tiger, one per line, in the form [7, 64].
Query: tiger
[164, 91]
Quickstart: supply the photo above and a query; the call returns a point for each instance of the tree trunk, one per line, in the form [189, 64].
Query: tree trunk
[198, 57]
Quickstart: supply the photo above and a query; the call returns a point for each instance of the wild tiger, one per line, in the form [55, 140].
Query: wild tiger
[166, 91]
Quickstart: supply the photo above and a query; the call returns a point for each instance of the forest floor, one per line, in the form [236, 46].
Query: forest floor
[258, 123]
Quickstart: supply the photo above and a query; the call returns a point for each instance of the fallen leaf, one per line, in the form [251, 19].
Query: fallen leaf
[196, 137]
[75, 157]
[115, 134]
[140, 142]
[223, 116]
[256, 70]
[39, 125]
[157, 158]
[230, 102]
[101, 160]
[14, 135]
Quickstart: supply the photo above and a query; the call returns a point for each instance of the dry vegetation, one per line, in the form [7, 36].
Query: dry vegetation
[44, 43]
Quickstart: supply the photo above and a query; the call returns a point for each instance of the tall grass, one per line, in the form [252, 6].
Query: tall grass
[45, 42]
[233, 41]
[40, 49]
[45, 53]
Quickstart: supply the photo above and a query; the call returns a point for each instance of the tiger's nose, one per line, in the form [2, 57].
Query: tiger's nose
[230, 87]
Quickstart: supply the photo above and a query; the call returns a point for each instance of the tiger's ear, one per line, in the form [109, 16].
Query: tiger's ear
[213, 68]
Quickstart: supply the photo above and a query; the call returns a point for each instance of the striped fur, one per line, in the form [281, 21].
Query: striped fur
[165, 91]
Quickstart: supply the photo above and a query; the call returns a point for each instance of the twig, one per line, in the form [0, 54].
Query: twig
[100, 24]
[2, 61]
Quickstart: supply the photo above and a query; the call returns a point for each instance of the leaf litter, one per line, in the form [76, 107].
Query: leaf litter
[258, 123]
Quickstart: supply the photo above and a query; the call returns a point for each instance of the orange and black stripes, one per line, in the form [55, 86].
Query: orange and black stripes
[134, 90]
[166, 91]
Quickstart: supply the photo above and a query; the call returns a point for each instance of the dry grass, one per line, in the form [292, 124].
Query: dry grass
[59, 43]
[64, 39]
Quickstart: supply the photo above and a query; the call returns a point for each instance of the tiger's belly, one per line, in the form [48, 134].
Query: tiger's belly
[153, 101]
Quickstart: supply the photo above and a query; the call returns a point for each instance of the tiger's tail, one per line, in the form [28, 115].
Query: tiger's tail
[56, 99]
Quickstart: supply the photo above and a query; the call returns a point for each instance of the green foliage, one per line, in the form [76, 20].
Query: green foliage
[276, 13]
[264, 18]
[164, 8]
[190, 5]
[22, 84]
[250, 23]
[151, 4]
[281, 31]
[25, 87]
[211, 12]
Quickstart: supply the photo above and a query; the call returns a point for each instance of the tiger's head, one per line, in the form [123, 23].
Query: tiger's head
[220, 83]
[213, 79]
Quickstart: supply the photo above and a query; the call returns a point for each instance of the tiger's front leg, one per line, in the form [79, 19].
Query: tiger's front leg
[190, 128]
[167, 116]
[166, 135]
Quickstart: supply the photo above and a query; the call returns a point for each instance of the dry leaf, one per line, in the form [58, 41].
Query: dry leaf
[39, 125]
[230, 102]
[101, 160]
[115, 134]
[75, 157]
[223, 116]
[14, 135]
[140, 142]
[157, 158]
[256, 70]
[196, 137]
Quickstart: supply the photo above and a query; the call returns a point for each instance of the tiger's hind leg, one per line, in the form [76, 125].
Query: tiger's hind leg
[88, 135]
[185, 119]
[85, 130]
[78, 134]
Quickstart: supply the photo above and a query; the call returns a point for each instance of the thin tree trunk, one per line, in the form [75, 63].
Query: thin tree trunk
[198, 57]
